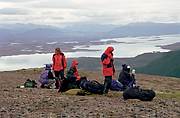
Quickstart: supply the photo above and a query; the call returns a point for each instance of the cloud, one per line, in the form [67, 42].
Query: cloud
[96, 11]
[16, 0]
[13, 11]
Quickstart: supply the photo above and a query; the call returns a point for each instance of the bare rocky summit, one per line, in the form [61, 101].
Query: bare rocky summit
[48, 103]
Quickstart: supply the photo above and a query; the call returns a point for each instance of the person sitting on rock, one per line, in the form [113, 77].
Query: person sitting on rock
[126, 78]
[47, 79]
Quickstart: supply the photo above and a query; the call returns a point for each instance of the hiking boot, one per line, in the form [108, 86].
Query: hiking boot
[105, 94]
[59, 91]
[42, 86]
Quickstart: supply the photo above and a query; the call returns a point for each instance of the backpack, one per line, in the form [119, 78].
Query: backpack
[138, 93]
[92, 86]
[116, 86]
[83, 83]
[30, 84]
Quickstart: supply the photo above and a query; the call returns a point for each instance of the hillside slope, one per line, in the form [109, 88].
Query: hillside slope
[94, 64]
[167, 65]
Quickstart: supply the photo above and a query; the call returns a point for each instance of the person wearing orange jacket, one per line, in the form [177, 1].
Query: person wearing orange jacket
[59, 65]
[108, 69]
[72, 79]
[72, 74]
[73, 71]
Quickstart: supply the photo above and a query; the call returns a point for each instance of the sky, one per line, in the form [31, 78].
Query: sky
[118, 12]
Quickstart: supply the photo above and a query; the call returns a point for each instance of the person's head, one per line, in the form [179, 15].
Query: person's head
[48, 66]
[133, 71]
[74, 63]
[109, 50]
[57, 51]
[126, 68]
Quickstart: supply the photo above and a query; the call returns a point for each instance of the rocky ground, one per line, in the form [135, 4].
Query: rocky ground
[46, 103]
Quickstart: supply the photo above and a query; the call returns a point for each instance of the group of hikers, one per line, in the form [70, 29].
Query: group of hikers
[54, 74]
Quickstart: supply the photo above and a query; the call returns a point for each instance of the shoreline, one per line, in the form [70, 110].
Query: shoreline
[171, 47]
[132, 61]
[32, 47]
[16, 60]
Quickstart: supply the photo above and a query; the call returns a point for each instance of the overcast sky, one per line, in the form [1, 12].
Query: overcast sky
[57, 12]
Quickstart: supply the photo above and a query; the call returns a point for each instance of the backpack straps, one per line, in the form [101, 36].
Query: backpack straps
[53, 60]
[103, 57]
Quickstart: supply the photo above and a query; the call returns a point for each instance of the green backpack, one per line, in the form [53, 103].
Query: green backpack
[30, 84]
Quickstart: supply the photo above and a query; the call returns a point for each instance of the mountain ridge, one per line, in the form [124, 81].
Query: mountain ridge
[87, 32]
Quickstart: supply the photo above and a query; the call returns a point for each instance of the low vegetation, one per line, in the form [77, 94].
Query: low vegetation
[167, 65]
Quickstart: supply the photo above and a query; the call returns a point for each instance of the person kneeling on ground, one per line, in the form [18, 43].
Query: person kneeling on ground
[72, 79]
[126, 78]
[47, 79]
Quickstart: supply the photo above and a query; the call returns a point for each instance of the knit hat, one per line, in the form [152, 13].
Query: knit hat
[48, 66]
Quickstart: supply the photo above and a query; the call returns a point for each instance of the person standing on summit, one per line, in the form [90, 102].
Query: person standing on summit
[108, 69]
[59, 65]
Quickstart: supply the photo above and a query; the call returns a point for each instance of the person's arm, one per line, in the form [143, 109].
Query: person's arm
[70, 73]
[120, 79]
[64, 62]
[105, 59]
[53, 60]
[76, 74]
[114, 70]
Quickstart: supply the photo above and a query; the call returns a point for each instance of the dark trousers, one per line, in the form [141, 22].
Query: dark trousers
[59, 77]
[107, 84]
[66, 83]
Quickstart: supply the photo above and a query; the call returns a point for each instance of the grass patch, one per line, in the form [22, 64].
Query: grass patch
[169, 95]
[114, 94]
[111, 94]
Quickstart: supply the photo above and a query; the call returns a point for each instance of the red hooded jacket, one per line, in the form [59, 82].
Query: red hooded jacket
[59, 62]
[74, 65]
[108, 62]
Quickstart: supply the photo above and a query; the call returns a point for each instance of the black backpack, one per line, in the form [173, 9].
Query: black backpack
[138, 93]
[92, 86]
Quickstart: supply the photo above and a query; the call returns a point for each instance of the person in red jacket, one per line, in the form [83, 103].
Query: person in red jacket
[59, 65]
[73, 71]
[108, 69]
[72, 79]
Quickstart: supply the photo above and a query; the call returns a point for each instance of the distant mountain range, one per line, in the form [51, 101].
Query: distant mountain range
[72, 32]
[145, 29]
[83, 31]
